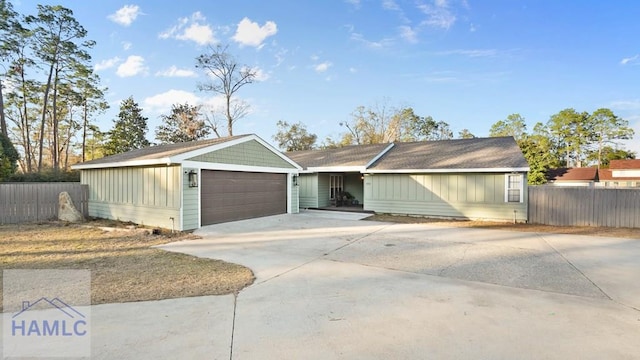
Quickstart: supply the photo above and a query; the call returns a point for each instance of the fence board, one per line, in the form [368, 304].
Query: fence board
[25, 202]
[582, 206]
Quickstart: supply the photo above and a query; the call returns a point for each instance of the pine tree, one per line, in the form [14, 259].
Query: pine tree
[129, 129]
[185, 123]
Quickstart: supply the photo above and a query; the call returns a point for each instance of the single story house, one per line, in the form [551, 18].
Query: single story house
[572, 176]
[187, 185]
[480, 178]
[621, 173]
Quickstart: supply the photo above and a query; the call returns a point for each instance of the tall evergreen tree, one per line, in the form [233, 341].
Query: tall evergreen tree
[184, 123]
[129, 129]
[8, 158]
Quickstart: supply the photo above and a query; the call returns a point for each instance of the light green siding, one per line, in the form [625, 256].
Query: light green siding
[190, 203]
[293, 197]
[143, 195]
[250, 153]
[472, 196]
[353, 185]
[308, 190]
[323, 190]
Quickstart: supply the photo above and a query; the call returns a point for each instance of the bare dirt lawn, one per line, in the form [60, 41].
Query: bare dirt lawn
[124, 266]
[576, 230]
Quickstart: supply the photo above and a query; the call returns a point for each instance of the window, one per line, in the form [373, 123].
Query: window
[335, 186]
[513, 188]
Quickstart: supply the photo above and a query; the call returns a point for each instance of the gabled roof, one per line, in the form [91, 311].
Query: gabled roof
[478, 154]
[572, 174]
[607, 175]
[633, 164]
[348, 156]
[172, 153]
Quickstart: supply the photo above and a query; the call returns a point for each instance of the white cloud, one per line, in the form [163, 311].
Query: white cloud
[625, 104]
[174, 71]
[322, 67]
[407, 33]
[471, 52]
[630, 60]
[106, 64]
[126, 15]
[193, 29]
[162, 102]
[126, 45]
[390, 5]
[353, 70]
[250, 33]
[369, 43]
[261, 75]
[439, 14]
[355, 3]
[134, 65]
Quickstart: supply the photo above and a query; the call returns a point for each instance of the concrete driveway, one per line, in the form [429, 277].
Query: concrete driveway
[332, 287]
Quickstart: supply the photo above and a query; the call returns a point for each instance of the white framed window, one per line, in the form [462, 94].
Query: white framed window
[336, 184]
[513, 188]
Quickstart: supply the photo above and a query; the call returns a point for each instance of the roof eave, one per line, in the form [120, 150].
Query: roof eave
[464, 170]
[162, 161]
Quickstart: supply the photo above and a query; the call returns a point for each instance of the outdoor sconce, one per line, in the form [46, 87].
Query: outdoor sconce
[193, 178]
[295, 180]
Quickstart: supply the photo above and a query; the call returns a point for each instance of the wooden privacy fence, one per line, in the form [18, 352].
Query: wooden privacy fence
[582, 206]
[24, 202]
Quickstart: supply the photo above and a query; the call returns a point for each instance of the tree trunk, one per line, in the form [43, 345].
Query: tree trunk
[27, 129]
[84, 130]
[44, 117]
[3, 122]
[229, 118]
[54, 122]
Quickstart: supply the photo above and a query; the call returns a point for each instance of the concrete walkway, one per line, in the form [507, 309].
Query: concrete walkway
[331, 287]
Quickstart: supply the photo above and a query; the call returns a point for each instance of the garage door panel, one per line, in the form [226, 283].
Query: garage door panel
[229, 195]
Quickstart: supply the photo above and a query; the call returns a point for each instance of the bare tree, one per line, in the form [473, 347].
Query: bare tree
[226, 78]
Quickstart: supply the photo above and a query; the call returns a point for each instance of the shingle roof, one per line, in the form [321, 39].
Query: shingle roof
[572, 174]
[477, 153]
[354, 155]
[160, 151]
[625, 164]
[607, 175]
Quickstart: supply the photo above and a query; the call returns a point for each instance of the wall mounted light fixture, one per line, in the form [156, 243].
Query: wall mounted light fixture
[193, 178]
[294, 180]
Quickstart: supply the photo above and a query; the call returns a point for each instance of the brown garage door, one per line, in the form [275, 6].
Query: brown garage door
[230, 195]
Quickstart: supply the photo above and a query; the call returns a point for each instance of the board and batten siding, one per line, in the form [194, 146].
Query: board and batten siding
[190, 202]
[308, 184]
[464, 195]
[324, 196]
[143, 195]
[294, 195]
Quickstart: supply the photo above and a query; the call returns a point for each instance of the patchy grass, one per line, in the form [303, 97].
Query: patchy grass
[576, 230]
[124, 266]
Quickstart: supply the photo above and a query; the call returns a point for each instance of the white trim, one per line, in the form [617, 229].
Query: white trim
[187, 155]
[162, 161]
[359, 169]
[289, 188]
[382, 153]
[180, 158]
[181, 184]
[520, 187]
[199, 198]
[235, 167]
[470, 170]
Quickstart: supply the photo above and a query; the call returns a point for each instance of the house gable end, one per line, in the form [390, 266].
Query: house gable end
[248, 153]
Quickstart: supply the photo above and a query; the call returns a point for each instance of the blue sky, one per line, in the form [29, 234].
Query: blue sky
[469, 63]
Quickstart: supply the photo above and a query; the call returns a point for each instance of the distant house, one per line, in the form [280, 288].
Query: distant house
[481, 178]
[572, 176]
[621, 173]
